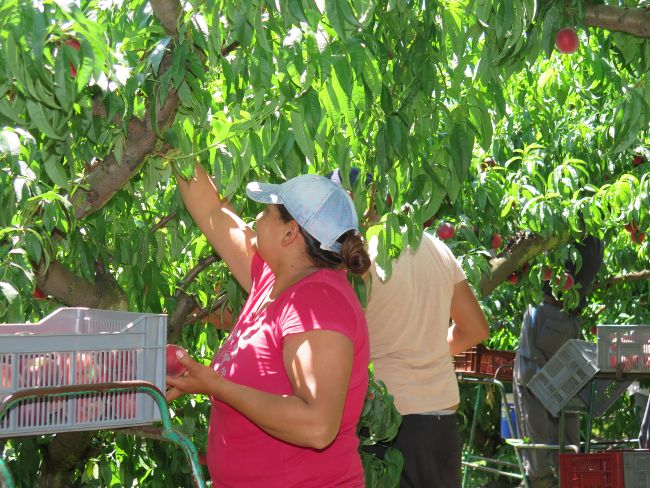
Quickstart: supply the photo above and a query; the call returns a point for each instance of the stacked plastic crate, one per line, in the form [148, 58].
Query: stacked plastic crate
[80, 346]
[620, 349]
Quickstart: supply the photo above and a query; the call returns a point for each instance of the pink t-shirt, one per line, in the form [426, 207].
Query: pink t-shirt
[240, 454]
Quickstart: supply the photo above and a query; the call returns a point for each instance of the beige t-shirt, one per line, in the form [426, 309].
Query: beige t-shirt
[408, 319]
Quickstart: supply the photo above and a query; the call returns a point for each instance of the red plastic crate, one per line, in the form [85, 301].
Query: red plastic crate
[592, 470]
[608, 469]
[481, 361]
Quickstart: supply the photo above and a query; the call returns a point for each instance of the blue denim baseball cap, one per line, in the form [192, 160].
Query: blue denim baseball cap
[320, 206]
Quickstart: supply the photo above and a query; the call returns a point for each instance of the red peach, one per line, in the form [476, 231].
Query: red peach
[446, 231]
[174, 367]
[566, 40]
[496, 241]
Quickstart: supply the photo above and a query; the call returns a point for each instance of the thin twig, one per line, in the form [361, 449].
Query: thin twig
[623, 278]
[221, 299]
[163, 222]
[194, 272]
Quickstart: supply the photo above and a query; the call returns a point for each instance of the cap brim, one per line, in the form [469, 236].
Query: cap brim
[264, 192]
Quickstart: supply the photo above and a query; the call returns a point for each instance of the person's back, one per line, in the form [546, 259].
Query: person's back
[411, 342]
[408, 317]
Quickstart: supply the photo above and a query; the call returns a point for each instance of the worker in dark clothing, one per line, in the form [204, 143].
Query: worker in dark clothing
[544, 330]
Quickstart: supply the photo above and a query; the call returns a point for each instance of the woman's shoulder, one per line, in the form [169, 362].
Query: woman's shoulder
[327, 287]
[326, 301]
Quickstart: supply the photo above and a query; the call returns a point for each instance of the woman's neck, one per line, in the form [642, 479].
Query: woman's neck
[284, 278]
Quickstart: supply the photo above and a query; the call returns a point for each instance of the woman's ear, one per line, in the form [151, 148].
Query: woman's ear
[291, 233]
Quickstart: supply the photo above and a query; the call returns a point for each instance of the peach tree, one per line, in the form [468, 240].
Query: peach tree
[463, 111]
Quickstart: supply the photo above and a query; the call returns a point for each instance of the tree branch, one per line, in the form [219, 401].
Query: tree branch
[109, 176]
[194, 272]
[207, 313]
[519, 253]
[229, 48]
[623, 278]
[74, 291]
[163, 222]
[635, 21]
[167, 12]
[185, 305]
[61, 455]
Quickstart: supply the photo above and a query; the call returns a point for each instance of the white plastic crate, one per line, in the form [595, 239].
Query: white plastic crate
[627, 345]
[76, 346]
[565, 374]
[636, 468]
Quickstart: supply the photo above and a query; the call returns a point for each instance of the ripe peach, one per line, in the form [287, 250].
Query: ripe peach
[496, 241]
[446, 231]
[174, 366]
[566, 40]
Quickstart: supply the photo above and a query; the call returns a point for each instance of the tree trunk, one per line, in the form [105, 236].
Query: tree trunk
[61, 456]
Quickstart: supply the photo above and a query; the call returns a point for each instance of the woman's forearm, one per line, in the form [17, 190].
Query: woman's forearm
[470, 326]
[200, 195]
[224, 229]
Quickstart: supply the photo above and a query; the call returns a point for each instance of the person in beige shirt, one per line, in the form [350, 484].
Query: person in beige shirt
[411, 345]
[418, 319]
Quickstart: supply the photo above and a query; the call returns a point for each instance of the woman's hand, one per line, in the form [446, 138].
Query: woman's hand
[197, 378]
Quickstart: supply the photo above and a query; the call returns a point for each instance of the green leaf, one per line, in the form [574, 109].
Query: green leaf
[484, 12]
[336, 16]
[157, 54]
[55, 170]
[550, 28]
[33, 244]
[178, 67]
[63, 87]
[9, 292]
[40, 120]
[303, 138]
[9, 143]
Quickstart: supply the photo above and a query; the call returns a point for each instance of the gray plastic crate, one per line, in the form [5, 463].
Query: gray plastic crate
[565, 374]
[624, 345]
[74, 346]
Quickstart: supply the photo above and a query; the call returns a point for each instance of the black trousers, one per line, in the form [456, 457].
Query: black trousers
[432, 451]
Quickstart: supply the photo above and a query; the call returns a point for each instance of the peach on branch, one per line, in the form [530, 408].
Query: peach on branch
[566, 40]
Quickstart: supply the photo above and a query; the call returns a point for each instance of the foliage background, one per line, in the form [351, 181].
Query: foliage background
[461, 110]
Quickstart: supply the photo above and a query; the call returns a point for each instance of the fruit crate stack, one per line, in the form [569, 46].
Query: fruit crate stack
[608, 469]
[624, 347]
[82, 346]
[484, 362]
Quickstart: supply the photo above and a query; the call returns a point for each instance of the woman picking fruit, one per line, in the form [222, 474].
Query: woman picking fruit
[288, 385]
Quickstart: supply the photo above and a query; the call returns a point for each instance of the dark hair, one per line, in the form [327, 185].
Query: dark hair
[353, 256]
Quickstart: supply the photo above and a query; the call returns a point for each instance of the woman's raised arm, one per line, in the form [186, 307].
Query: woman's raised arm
[225, 230]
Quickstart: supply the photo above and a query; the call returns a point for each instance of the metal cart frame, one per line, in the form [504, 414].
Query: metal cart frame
[166, 432]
